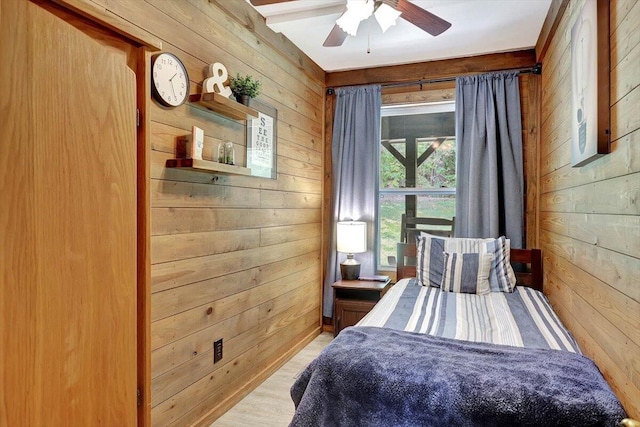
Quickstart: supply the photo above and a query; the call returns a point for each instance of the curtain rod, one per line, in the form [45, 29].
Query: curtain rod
[536, 69]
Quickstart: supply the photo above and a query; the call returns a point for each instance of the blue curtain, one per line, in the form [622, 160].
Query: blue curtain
[355, 144]
[490, 183]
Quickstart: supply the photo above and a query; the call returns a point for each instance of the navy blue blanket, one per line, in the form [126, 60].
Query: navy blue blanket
[381, 377]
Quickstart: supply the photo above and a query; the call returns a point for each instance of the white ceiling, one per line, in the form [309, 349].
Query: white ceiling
[478, 27]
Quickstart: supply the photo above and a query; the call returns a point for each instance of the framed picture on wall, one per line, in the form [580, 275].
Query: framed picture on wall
[262, 139]
[590, 135]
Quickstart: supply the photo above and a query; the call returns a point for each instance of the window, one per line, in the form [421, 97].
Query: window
[417, 169]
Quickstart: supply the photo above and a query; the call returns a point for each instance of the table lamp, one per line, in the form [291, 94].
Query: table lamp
[352, 238]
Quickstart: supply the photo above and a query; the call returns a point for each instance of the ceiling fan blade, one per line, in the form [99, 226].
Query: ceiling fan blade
[336, 37]
[422, 19]
[266, 2]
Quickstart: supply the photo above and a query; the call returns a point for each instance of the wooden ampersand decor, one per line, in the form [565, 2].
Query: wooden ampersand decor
[215, 82]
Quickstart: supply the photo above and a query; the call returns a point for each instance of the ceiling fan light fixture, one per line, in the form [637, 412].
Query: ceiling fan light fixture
[357, 10]
[386, 16]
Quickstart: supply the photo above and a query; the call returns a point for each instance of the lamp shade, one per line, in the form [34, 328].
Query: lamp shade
[386, 16]
[357, 10]
[352, 237]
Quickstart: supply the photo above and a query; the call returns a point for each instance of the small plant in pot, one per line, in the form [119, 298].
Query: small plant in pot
[244, 88]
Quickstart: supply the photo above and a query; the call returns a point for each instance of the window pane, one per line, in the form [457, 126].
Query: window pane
[439, 169]
[437, 206]
[390, 211]
[417, 169]
[392, 170]
[418, 150]
[391, 208]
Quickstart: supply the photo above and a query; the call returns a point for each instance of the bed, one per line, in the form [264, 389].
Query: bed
[433, 356]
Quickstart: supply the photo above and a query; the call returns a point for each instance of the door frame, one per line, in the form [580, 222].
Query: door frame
[144, 44]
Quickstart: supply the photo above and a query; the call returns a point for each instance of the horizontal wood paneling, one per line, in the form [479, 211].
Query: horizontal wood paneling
[624, 29]
[284, 182]
[623, 160]
[182, 246]
[619, 233]
[170, 328]
[251, 20]
[617, 270]
[233, 257]
[168, 384]
[590, 216]
[609, 302]
[173, 221]
[561, 297]
[178, 273]
[217, 390]
[597, 197]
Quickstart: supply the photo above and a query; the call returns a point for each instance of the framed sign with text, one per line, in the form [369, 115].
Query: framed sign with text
[262, 141]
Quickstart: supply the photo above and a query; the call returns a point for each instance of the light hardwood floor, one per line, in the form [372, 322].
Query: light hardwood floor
[270, 404]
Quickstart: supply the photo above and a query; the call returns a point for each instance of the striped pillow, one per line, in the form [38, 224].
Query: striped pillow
[466, 273]
[430, 259]
[502, 278]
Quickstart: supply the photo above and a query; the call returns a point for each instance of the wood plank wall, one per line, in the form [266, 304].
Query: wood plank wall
[590, 216]
[233, 257]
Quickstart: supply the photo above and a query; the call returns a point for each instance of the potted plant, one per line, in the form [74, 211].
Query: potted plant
[244, 88]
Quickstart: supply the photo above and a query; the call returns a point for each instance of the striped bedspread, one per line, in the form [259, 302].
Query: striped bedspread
[523, 318]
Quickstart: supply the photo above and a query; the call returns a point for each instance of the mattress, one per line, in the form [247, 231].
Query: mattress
[523, 318]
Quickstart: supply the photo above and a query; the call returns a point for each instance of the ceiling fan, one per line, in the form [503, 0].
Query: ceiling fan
[386, 13]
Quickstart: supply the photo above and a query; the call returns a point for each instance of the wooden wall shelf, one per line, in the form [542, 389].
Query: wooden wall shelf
[207, 166]
[223, 105]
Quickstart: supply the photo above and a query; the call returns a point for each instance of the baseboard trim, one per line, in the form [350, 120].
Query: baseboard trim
[217, 411]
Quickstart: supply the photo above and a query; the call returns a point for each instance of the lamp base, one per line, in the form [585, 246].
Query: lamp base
[350, 268]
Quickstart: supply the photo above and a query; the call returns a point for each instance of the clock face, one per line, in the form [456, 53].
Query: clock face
[169, 80]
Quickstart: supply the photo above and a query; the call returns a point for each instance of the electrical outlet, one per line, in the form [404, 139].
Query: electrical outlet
[217, 351]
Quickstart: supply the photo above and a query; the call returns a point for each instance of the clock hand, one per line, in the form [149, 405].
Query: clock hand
[173, 90]
[173, 76]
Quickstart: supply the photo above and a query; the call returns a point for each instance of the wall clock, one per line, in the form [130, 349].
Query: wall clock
[169, 80]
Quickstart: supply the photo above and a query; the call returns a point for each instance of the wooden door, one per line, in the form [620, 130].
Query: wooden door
[67, 223]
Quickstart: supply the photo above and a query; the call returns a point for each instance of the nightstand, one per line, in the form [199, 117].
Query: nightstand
[353, 299]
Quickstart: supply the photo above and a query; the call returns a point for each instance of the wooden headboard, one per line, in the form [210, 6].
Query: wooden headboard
[531, 276]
